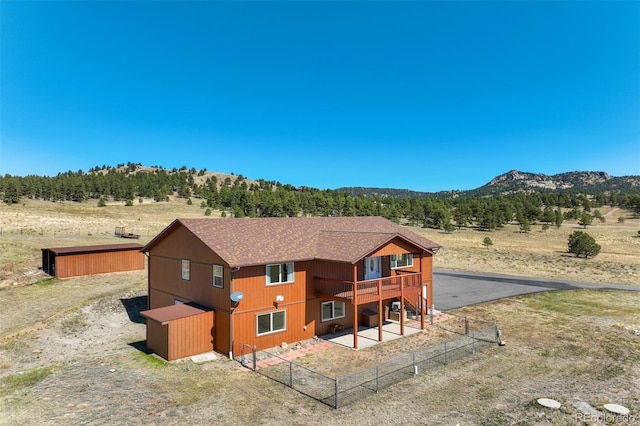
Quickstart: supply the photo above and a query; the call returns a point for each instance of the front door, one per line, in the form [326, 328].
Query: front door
[372, 268]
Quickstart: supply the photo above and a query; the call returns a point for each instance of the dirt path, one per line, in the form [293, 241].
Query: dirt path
[612, 212]
[40, 303]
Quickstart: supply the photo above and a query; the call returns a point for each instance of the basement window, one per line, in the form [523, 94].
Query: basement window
[271, 322]
[401, 260]
[332, 310]
[186, 269]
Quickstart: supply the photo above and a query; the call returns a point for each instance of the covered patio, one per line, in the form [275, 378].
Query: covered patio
[369, 336]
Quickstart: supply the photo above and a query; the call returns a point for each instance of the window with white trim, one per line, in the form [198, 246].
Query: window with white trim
[217, 276]
[271, 322]
[279, 273]
[186, 269]
[332, 310]
[401, 260]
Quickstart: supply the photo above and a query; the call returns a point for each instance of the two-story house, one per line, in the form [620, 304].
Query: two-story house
[265, 281]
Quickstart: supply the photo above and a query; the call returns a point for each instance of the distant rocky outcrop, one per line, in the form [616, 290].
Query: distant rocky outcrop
[515, 180]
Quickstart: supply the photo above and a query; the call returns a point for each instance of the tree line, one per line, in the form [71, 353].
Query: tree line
[238, 197]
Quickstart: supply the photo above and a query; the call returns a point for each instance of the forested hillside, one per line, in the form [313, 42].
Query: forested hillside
[239, 197]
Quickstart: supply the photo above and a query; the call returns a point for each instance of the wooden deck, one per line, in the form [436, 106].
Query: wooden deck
[369, 290]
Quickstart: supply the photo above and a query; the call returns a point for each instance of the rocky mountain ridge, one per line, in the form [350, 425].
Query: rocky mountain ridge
[515, 181]
[559, 181]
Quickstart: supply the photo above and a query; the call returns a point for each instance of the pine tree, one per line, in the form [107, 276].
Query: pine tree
[582, 244]
[487, 242]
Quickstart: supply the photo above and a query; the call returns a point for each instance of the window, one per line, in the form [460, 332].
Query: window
[280, 273]
[217, 276]
[186, 269]
[401, 260]
[271, 322]
[332, 310]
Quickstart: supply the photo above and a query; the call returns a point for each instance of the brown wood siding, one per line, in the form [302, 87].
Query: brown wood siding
[427, 276]
[331, 270]
[181, 243]
[166, 274]
[98, 263]
[182, 337]
[191, 335]
[251, 281]
[166, 284]
[261, 298]
[245, 327]
[326, 327]
[158, 338]
[223, 332]
[395, 246]
[159, 299]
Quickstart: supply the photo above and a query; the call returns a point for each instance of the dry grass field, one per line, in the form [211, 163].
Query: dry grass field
[70, 349]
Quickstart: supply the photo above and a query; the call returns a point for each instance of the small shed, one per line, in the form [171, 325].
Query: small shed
[179, 331]
[64, 262]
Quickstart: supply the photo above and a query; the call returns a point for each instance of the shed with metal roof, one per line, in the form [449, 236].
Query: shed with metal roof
[65, 262]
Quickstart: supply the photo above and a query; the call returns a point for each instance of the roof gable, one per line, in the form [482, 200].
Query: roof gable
[256, 241]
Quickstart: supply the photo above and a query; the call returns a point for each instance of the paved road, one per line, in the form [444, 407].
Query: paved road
[455, 289]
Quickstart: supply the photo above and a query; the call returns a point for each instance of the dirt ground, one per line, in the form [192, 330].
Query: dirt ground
[72, 351]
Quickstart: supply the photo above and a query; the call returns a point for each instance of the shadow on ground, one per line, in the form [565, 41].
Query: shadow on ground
[134, 306]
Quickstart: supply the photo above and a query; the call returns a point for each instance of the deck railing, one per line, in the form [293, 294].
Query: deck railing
[369, 290]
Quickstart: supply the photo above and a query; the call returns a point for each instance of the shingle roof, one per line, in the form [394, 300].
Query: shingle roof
[257, 241]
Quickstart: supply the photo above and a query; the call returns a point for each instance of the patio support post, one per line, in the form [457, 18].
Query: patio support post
[380, 311]
[423, 297]
[355, 307]
[423, 306]
[402, 279]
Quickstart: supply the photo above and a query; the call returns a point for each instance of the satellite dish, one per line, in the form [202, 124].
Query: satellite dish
[236, 296]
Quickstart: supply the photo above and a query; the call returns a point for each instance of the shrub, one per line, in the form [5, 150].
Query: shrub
[583, 244]
[102, 202]
[487, 242]
[448, 227]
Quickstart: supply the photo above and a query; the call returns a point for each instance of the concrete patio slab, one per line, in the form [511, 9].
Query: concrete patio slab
[368, 336]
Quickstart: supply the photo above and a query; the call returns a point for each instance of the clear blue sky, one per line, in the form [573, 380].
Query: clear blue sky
[427, 96]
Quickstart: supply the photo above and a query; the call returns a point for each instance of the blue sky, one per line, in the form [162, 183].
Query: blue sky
[427, 96]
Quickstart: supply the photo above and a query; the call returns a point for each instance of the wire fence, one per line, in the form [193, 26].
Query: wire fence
[340, 391]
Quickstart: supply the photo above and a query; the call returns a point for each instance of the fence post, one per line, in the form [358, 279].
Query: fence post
[445, 352]
[466, 325]
[255, 362]
[290, 374]
[431, 314]
[336, 391]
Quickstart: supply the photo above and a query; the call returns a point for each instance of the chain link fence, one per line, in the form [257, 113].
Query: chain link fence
[340, 391]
